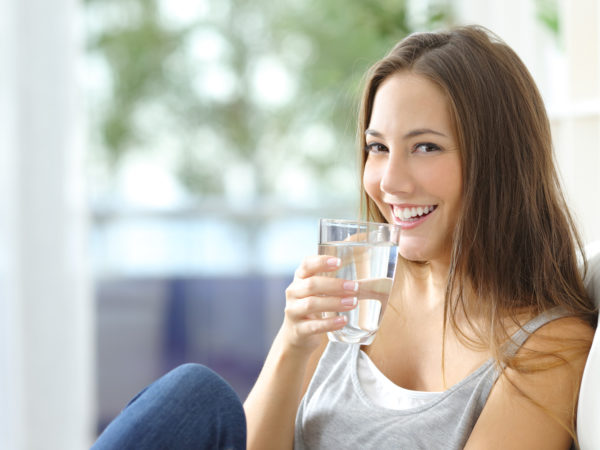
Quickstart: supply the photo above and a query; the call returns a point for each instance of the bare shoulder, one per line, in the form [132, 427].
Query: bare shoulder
[534, 400]
[567, 341]
[566, 327]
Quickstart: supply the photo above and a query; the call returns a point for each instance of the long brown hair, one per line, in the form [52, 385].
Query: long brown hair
[515, 243]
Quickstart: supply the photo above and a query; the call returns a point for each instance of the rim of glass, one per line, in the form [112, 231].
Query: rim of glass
[359, 223]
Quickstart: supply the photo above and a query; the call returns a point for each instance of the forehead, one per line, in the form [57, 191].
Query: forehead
[406, 101]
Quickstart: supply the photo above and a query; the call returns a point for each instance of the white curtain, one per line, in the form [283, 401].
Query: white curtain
[568, 75]
[576, 123]
[46, 313]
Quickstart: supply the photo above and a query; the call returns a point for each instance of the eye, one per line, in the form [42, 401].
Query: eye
[426, 147]
[375, 147]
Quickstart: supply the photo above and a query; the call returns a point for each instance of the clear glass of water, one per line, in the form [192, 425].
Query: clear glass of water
[368, 253]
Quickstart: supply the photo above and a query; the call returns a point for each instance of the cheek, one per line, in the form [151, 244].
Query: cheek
[446, 182]
[453, 186]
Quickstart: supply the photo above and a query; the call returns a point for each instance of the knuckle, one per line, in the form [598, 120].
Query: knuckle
[291, 310]
[315, 327]
[298, 336]
[308, 305]
[293, 290]
[303, 267]
[310, 284]
[287, 311]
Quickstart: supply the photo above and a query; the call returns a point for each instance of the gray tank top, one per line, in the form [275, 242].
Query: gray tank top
[335, 413]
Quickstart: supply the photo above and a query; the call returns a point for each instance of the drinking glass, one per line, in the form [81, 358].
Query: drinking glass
[368, 253]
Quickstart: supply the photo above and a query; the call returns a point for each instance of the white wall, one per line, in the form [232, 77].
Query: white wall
[46, 326]
[568, 76]
[10, 361]
[576, 122]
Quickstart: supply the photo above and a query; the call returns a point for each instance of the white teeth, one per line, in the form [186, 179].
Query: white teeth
[413, 212]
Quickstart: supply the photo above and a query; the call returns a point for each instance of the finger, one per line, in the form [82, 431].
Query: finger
[300, 309]
[319, 326]
[313, 265]
[321, 286]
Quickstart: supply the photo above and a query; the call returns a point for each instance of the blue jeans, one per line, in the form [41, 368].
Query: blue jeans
[190, 407]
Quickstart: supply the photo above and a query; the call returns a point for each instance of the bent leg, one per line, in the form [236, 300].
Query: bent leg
[190, 407]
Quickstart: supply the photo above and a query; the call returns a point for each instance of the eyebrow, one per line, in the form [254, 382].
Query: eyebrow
[410, 134]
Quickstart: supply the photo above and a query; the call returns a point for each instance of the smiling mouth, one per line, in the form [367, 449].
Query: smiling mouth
[413, 213]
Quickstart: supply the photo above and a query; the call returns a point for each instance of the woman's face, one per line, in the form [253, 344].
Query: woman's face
[413, 168]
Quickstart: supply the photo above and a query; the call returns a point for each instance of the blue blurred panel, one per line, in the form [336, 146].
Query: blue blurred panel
[221, 322]
[130, 336]
[148, 326]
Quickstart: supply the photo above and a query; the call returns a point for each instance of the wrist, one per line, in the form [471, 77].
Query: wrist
[289, 350]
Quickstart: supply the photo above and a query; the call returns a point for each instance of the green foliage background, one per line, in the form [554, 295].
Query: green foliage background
[325, 45]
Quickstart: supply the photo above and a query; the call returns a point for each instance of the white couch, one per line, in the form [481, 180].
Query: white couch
[588, 411]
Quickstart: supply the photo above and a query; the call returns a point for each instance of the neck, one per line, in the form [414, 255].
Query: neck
[427, 281]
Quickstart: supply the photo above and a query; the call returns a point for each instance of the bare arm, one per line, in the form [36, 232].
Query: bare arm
[273, 402]
[509, 420]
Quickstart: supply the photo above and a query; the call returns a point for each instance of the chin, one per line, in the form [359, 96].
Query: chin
[413, 251]
[423, 251]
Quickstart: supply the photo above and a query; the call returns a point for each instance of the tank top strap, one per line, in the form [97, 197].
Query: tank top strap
[519, 338]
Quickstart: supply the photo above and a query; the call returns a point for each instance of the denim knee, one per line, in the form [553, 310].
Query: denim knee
[202, 389]
[193, 372]
[191, 407]
[199, 382]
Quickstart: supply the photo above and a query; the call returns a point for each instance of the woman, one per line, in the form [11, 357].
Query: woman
[452, 124]
[488, 326]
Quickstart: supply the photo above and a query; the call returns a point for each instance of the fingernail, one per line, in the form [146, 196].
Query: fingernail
[333, 262]
[349, 301]
[351, 286]
[340, 319]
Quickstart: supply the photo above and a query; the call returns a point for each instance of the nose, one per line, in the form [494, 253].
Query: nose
[396, 177]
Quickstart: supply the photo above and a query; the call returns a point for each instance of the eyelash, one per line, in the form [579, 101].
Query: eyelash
[431, 146]
[371, 148]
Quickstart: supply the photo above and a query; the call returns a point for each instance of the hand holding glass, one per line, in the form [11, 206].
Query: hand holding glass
[368, 253]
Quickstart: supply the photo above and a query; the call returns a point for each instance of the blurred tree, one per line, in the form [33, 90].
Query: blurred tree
[547, 14]
[259, 87]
